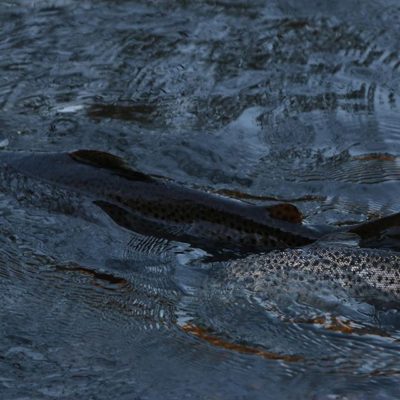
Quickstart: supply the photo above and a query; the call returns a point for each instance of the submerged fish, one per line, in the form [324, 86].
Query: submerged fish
[150, 205]
[66, 182]
[372, 275]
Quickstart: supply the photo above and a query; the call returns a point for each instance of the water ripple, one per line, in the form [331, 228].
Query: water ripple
[278, 100]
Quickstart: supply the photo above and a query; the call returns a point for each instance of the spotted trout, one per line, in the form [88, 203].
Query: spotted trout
[149, 205]
[67, 182]
[367, 274]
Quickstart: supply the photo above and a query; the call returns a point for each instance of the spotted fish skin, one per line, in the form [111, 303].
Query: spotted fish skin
[145, 204]
[365, 273]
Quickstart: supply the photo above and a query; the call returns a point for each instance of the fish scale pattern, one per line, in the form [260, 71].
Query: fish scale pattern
[364, 271]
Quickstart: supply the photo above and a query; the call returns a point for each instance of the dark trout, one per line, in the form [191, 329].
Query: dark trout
[150, 205]
[65, 182]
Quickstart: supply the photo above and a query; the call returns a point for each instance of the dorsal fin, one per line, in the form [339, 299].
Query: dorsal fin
[101, 159]
[285, 212]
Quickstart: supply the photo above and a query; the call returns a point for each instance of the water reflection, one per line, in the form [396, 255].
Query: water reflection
[289, 100]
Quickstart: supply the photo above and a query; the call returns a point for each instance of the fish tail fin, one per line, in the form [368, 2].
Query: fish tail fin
[381, 232]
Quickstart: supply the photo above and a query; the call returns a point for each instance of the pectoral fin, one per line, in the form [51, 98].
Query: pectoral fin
[119, 215]
[134, 222]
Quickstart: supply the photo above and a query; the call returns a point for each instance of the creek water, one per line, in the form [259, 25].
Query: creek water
[269, 100]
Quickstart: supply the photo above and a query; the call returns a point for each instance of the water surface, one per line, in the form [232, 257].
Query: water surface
[265, 100]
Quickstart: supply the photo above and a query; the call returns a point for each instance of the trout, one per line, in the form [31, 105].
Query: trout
[67, 182]
[367, 274]
[150, 205]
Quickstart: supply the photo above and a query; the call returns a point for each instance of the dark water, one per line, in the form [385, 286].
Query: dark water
[287, 100]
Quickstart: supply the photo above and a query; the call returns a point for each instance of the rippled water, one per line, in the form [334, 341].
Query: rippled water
[287, 100]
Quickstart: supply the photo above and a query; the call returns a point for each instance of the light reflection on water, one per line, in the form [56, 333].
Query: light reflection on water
[286, 100]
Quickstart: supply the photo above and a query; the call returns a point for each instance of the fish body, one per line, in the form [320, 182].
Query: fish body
[66, 182]
[153, 206]
[366, 273]
[150, 205]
